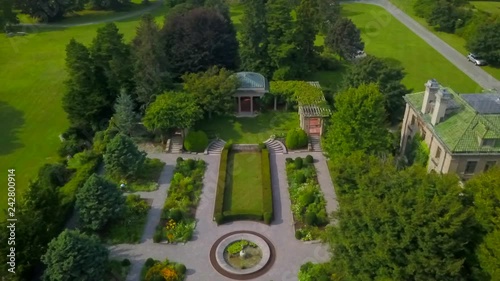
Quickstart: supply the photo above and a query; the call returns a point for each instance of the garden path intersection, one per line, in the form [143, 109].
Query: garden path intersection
[290, 253]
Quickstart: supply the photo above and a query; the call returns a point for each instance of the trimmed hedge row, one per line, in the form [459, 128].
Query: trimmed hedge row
[234, 215]
[221, 185]
[267, 190]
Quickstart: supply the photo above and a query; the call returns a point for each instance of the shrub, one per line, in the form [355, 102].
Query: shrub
[262, 146]
[179, 160]
[125, 262]
[309, 159]
[221, 184]
[298, 163]
[157, 236]
[300, 178]
[268, 217]
[289, 160]
[296, 138]
[149, 262]
[228, 145]
[267, 189]
[180, 268]
[175, 214]
[310, 218]
[191, 164]
[298, 234]
[234, 215]
[196, 141]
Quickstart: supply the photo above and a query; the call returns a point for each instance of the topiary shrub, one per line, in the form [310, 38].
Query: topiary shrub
[289, 160]
[191, 164]
[268, 218]
[175, 214]
[300, 178]
[310, 218]
[125, 262]
[219, 218]
[180, 268]
[157, 236]
[179, 160]
[296, 138]
[196, 141]
[309, 159]
[298, 234]
[149, 262]
[298, 163]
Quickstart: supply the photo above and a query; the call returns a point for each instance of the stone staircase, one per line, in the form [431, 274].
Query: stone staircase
[315, 143]
[215, 147]
[275, 146]
[176, 144]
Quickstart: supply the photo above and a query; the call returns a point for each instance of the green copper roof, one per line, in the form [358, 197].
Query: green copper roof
[253, 80]
[463, 128]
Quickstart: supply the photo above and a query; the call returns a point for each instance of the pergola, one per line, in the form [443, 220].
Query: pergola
[312, 115]
[252, 85]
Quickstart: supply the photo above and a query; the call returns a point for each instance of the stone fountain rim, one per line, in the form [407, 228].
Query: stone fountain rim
[261, 243]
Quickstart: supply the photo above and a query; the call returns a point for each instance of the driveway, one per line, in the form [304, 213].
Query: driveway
[290, 253]
[481, 77]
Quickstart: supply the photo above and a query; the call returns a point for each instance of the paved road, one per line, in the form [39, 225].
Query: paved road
[481, 77]
[195, 254]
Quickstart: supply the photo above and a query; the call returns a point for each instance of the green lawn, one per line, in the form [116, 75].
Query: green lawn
[455, 41]
[250, 130]
[244, 182]
[386, 37]
[31, 78]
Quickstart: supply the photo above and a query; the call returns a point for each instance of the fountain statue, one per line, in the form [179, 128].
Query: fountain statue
[243, 253]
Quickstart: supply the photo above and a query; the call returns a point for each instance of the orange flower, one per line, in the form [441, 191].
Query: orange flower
[169, 274]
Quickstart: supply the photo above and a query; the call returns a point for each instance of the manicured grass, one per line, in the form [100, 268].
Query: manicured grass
[250, 130]
[32, 73]
[389, 38]
[455, 41]
[244, 182]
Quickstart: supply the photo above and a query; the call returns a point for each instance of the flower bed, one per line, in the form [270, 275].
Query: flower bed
[308, 203]
[178, 217]
[166, 270]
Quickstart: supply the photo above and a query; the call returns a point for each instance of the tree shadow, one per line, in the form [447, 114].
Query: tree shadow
[12, 121]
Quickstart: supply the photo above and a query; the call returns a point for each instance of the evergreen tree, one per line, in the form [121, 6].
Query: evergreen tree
[99, 202]
[75, 256]
[281, 48]
[122, 158]
[254, 38]
[328, 13]
[85, 106]
[305, 34]
[344, 38]
[358, 123]
[125, 118]
[219, 5]
[150, 65]
[7, 15]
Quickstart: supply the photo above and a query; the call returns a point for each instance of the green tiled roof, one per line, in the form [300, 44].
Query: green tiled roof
[462, 129]
[253, 80]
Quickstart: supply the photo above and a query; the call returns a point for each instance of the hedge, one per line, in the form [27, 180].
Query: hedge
[196, 141]
[221, 185]
[233, 215]
[267, 190]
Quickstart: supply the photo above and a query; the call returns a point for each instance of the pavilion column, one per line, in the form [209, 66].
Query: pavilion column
[275, 102]
[251, 104]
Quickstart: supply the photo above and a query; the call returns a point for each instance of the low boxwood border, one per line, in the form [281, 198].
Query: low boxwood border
[221, 186]
[267, 188]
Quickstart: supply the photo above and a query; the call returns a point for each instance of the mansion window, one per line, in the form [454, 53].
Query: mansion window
[470, 168]
[413, 120]
[438, 153]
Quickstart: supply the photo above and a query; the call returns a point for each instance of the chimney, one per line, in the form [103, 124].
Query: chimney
[431, 88]
[442, 98]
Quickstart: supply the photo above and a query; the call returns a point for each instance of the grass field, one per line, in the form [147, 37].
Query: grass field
[389, 38]
[244, 182]
[250, 130]
[455, 41]
[31, 78]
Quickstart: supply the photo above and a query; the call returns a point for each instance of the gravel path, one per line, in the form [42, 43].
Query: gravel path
[480, 76]
[195, 254]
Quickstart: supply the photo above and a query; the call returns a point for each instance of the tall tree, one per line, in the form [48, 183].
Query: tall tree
[98, 202]
[7, 15]
[254, 38]
[358, 123]
[85, 106]
[212, 90]
[220, 5]
[305, 34]
[172, 110]
[122, 158]
[281, 48]
[75, 256]
[344, 38]
[400, 225]
[125, 117]
[485, 189]
[328, 14]
[112, 64]
[199, 39]
[485, 42]
[150, 65]
[388, 77]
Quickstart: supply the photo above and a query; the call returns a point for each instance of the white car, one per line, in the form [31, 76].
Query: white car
[476, 59]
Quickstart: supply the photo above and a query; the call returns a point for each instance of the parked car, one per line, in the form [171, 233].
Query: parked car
[476, 59]
[359, 54]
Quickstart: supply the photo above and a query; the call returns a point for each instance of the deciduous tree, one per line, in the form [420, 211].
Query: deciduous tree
[122, 158]
[212, 90]
[388, 77]
[344, 38]
[170, 111]
[75, 256]
[98, 202]
[199, 39]
[485, 42]
[358, 123]
[328, 13]
[150, 65]
[305, 34]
